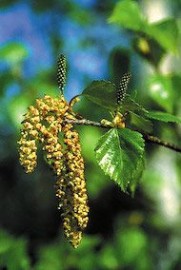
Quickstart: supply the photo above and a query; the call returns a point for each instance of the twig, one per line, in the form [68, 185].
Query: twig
[156, 140]
[85, 122]
[148, 138]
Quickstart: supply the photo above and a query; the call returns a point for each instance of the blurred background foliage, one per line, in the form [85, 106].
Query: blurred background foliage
[101, 40]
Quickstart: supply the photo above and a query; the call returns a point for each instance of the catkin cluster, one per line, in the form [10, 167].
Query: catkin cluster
[46, 123]
[42, 123]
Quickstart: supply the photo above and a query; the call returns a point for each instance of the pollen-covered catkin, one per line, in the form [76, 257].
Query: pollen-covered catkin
[29, 137]
[52, 147]
[46, 123]
[52, 111]
[71, 188]
[43, 123]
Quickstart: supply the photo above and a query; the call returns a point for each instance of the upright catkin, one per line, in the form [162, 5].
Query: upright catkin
[121, 92]
[61, 72]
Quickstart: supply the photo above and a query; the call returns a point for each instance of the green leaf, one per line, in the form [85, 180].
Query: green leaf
[137, 175]
[119, 153]
[13, 252]
[130, 104]
[13, 52]
[162, 92]
[149, 49]
[131, 242]
[166, 33]
[102, 93]
[164, 117]
[141, 123]
[127, 14]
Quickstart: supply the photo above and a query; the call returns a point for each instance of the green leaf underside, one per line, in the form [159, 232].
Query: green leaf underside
[164, 117]
[127, 14]
[119, 153]
[102, 93]
[130, 105]
[137, 175]
[141, 123]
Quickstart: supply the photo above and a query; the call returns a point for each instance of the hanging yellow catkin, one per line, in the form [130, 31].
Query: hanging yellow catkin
[71, 188]
[43, 123]
[28, 140]
[46, 123]
[53, 111]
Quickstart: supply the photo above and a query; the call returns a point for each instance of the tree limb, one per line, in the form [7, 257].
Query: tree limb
[148, 138]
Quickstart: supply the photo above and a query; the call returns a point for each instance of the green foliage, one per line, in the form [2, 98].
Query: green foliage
[164, 117]
[102, 93]
[162, 91]
[120, 154]
[166, 33]
[13, 252]
[60, 256]
[13, 52]
[148, 49]
[130, 105]
[130, 248]
[127, 14]
[131, 243]
[140, 122]
[89, 138]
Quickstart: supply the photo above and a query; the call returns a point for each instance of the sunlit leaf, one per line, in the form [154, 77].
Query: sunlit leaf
[131, 242]
[164, 117]
[166, 33]
[102, 93]
[13, 52]
[127, 14]
[108, 257]
[162, 92]
[120, 153]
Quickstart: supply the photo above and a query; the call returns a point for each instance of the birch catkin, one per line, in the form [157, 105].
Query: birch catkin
[71, 189]
[43, 123]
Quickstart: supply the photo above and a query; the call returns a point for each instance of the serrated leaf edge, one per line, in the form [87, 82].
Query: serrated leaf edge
[141, 156]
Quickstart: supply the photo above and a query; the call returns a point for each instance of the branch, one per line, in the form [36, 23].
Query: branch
[85, 122]
[147, 137]
[156, 140]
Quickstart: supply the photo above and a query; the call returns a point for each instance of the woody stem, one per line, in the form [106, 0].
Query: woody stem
[148, 138]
